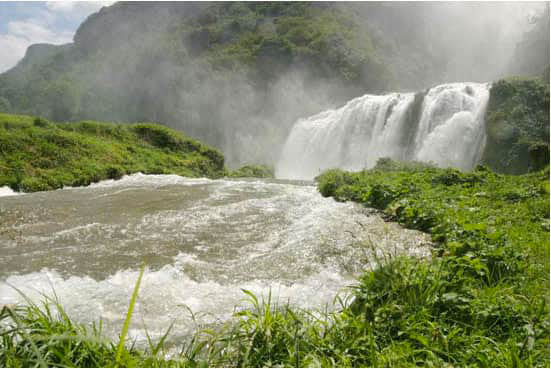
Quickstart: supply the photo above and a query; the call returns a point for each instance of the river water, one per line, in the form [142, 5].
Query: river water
[202, 241]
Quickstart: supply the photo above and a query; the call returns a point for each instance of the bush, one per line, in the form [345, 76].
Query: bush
[253, 171]
[517, 126]
[41, 122]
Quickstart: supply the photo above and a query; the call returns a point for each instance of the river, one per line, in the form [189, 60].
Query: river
[203, 241]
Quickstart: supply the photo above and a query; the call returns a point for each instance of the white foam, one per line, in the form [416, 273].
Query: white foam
[205, 243]
[6, 191]
[164, 296]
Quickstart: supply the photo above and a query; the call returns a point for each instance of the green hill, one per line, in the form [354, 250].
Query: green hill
[231, 74]
[517, 126]
[37, 155]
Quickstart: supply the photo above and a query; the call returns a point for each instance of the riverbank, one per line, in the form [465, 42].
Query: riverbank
[485, 300]
[482, 300]
[38, 155]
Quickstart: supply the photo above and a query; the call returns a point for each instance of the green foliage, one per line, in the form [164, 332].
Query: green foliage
[267, 38]
[387, 164]
[493, 241]
[253, 171]
[44, 335]
[126, 325]
[517, 124]
[37, 155]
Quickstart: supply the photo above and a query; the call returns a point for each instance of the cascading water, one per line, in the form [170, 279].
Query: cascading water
[445, 126]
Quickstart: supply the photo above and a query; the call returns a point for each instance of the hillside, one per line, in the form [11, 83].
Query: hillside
[37, 155]
[238, 75]
[231, 74]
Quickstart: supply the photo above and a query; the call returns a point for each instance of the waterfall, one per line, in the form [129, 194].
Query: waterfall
[445, 126]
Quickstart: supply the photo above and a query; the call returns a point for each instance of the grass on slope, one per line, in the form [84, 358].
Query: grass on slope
[37, 155]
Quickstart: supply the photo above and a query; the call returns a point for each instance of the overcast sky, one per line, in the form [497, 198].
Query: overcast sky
[26, 23]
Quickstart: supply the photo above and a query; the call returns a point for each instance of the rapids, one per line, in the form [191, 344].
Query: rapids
[202, 240]
[444, 125]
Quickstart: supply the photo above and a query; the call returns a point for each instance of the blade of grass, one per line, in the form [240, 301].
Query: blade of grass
[126, 324]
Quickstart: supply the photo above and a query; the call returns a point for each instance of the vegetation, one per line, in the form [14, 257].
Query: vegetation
[258, 171]
[268, 37]
[37, 155]
[517, 123]
[211, 69]
[45, 336]
[482, 300]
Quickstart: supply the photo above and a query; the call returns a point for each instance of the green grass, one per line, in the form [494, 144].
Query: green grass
[44, 335]
[37, 155]
[481, 300]
[484, 299]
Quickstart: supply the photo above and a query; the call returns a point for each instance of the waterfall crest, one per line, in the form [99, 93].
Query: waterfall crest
[445, 125]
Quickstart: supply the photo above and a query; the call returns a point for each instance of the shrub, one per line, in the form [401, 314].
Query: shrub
[255, 171]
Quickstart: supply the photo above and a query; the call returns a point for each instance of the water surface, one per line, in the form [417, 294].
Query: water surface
[202, 240]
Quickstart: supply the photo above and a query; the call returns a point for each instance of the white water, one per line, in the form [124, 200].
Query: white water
[6, 191]
[449, 131]
[203, 241]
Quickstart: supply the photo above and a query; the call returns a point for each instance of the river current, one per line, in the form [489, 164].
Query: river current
[203, 241]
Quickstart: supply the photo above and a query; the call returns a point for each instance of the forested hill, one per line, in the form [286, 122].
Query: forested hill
[235, 75]
[209, 69]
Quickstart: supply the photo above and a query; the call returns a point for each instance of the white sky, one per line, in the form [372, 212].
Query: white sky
[25, 23]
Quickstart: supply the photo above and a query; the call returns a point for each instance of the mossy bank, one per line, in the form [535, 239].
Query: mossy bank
[37, 155]
[251, 170]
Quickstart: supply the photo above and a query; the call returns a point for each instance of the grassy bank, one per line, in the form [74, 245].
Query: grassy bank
[482, 300]
[37, 155]
[485, 300]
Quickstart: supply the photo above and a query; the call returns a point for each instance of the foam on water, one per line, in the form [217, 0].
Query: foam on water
[165, 297]
[6, 191]
[203, 241]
